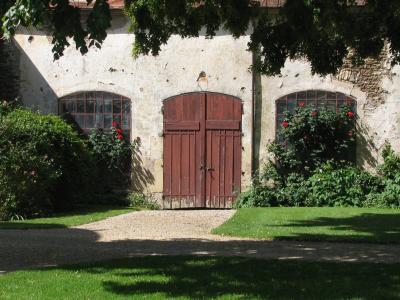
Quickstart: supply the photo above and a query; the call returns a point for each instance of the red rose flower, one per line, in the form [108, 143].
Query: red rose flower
[350, 114]
[119, 131]
[285, 124]
[120, 137]
[302, 103]
[115, 124]
[314, 114]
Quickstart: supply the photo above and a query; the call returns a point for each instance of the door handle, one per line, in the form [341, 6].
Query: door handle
[205, 168]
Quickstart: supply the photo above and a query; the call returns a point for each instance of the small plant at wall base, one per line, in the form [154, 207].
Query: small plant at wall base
[139, 200]
[390, 174]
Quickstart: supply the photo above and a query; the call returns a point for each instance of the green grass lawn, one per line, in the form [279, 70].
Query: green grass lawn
[315, 224]
[77, 217]
[203, 278]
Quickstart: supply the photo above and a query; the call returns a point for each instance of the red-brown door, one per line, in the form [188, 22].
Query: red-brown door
[202, 150]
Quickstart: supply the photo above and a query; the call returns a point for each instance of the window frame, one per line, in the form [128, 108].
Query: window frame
[123, 116]
[298, 97]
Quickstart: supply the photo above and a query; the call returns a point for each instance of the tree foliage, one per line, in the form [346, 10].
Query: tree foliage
[62, 19]
[320, 31]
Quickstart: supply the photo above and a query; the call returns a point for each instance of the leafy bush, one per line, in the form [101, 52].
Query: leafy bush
[6, 107]
[112, 154]
[330, 185]
[343, 186]
[309, 138]
[313, 166]
[257, 196]
[390, 168]
[142, 201]
[44, 165]
[294, 192]
[390, 172]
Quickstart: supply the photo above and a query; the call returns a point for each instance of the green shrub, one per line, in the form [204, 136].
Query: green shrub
[112, 155]
[142, 201]
[390, 169]
[330, 185]
[257, 196]
[308, 141]
[44, 165]
[309, 138]
[389, 197]
[343, 186]
[6, 107]
[294, 192]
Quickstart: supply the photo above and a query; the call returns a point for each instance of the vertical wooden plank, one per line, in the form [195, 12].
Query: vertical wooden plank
[207, 174]
[202, 145]
[218, 174]
[238, 162]
[184, 170]
[181, 162]
[229, 169]
[167, 168]
[223, 162]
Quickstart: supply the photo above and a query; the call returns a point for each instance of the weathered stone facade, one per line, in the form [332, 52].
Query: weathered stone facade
[9, 71]
[368, 77]
[200, 64]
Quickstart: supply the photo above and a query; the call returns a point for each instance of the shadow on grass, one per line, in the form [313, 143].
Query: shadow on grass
[79, 215]
[200, 277]
[154, 268]
[367, 227]
[20, 225]
[210, 278]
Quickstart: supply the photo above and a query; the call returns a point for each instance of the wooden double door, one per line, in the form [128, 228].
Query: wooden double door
[202, 150]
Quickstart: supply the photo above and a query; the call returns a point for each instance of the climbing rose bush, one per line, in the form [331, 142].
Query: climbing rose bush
[112, 153]
[308, 138]
[308, 141]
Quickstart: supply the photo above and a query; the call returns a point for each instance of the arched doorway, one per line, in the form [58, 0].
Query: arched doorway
[202, 150]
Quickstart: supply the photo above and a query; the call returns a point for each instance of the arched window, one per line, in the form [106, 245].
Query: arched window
[94, 110]
[315, 98]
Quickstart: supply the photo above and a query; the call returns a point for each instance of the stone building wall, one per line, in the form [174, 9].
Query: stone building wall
[375, 86]
[147, 81]
[224, 63]
[368, 78]
[9, 71]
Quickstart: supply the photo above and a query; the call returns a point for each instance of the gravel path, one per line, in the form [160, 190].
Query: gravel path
[166, 233]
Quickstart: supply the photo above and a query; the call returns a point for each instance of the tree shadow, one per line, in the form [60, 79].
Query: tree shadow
[191, 277]
[198, 278]
[202, 268]
[141, 177]
[367, 227]
[9, 71]
[365, 147]
[50, 221]
[26, 225]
